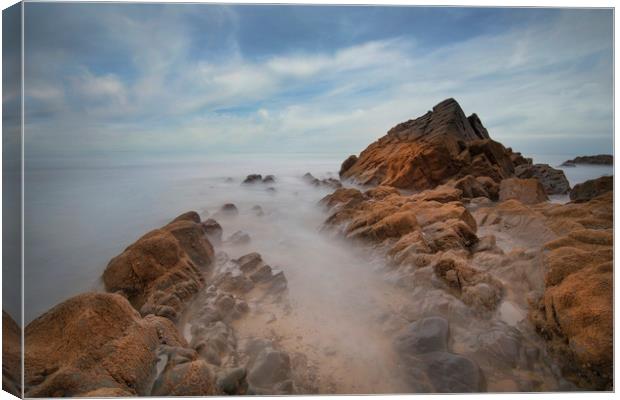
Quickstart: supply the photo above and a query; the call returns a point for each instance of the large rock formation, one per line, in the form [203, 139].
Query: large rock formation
[592, 188]
[425, 152]
[95, 344]
[553, 180]
[162, 269]
[527, 191]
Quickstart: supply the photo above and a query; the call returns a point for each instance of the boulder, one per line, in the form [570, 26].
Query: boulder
[527, 191]
[161, 271]
[347, 164]
[94, 343]
[327, 182]
[428, 151]
[253, 178]
[269, 179]
[228, 210]
[424, 336]
[553, 180]
[213, 230]
[592, 188]
[238, 238]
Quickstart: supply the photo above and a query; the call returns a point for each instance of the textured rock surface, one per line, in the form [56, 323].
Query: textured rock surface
[592, 188]
[163, 269]
[94, 343]
[425, 152]
[11, 355]
[553, 180]
[527, 191]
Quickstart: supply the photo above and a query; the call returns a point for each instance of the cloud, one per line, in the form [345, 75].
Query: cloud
[169, 87]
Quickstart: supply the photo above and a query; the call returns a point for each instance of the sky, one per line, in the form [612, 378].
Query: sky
[180, 79]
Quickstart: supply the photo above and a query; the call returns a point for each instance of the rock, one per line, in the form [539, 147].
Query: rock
[213, 230]
[238, 238]
[553, 180]
[476, 288]
[600, 159]
[258, 210]
[228, 209]
[161, 271]
[233, 381]
[269, 179]
[328, 182]
[424, 336]
[431, 150]
[473, 187]
[270, 372]
[185, 375]
[11, 355]
[592, 188]
[575, 313]
[452, 373]
[249, 262]
[527, 191]
[347, 164]
[501, 346]
[253, 178]
[188, 216]
[94, 343]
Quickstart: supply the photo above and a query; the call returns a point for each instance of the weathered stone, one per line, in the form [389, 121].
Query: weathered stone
[527, 191]
[553, 180]
[592, 188]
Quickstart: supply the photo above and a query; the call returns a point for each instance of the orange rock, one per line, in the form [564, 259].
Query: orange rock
[527, 191]
[430, 150]
[94, 344]
[161, 271]
[11, 355]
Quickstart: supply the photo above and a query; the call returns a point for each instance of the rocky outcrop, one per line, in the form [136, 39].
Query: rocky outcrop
[576, 311]
[163, 269]
[592, 188]
[600, 159]
[347, 164]
[573, 306]
[527, 191]
[553, 180]
[95, 344]
[11, 355]
[428, 151]
[423, 349]
[258, 178]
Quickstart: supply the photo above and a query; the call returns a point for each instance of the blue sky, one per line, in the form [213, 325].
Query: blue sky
[105, 79]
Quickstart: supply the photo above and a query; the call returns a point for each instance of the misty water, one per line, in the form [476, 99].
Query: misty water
[79, 216]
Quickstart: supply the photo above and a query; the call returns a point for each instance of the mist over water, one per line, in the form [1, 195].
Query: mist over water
[78, 218]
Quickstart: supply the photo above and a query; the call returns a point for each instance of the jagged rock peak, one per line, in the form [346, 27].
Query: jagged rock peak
[446, 118]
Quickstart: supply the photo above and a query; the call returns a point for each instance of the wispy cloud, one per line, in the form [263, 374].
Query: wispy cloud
[171, 86]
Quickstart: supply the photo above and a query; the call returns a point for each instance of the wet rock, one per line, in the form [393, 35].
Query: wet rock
[213, 230]
[253, 178]
[262, 274]
[233, 282]
[600, 159]
[188, 216]
[238, 238]
[161, 271]
[269, 179]
[452, 373]
[527, 191]
[228, 210]
[258, 211]
[553, 180]
[423, 336]
[249, 262]
[328, 182]
[347, 164]
[192, 378]
[270, 373]
[472, 187]
[501, 346]
[590, 189]
[91, 342]
[233, 381]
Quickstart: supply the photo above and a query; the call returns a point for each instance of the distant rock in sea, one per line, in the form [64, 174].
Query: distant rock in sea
[600, 159]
